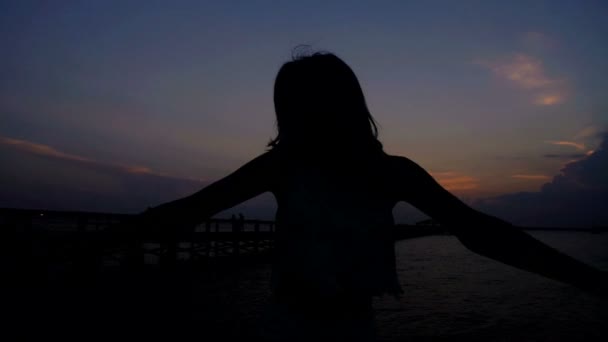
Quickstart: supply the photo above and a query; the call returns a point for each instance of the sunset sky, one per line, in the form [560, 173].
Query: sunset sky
[117, 105]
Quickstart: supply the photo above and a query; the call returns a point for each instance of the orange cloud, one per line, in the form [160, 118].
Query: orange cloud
[529, 73]
[549, 100]
[523, 70]
[41, 150]
[589, 132]
[453, 181]
[139, 169]
[49, 151]
[567, 143]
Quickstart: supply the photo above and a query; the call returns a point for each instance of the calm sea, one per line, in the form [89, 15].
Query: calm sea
[450, 293]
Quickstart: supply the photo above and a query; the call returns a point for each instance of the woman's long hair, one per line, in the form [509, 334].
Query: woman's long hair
[320, 108]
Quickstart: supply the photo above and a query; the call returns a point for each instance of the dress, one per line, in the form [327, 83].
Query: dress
[334, 231]
[334, 246]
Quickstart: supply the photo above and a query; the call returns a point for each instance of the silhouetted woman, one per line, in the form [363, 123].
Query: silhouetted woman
[336, 189]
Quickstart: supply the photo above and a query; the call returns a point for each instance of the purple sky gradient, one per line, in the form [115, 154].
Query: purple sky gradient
[492, 98]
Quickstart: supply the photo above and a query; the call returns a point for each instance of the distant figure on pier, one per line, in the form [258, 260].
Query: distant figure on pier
[234, 223]
[238, 225]
[336, 189]
[241, 222]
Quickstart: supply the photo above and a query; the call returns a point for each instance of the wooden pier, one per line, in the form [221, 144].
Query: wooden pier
[88, 242]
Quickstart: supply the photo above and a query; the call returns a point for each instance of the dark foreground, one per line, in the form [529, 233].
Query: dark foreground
[63, 292]
[152, 305]
[450, 294]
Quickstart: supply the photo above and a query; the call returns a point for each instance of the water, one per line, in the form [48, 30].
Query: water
[450, 293]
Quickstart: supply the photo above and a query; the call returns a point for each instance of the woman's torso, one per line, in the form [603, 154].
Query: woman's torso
[334, 233]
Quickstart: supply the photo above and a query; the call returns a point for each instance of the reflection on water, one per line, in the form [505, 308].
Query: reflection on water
[449, 293]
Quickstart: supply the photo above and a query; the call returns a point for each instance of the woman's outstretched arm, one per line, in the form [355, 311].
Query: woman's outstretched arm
[247, 182]
[490, 236]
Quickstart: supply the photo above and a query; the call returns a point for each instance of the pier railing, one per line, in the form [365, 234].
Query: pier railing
[88, 241]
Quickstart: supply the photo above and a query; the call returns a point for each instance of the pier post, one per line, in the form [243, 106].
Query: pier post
[235, 238]
[256, 229]
[215, 243]
[208, 241]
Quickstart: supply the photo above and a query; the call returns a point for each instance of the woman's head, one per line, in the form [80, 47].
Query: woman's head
[320, 106]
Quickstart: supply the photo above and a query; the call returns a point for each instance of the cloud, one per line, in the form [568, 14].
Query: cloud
[529, 73]
[576, 145]
[40, 149]
[549, 99]
[577, 197]
[453, 181]
[40, 176]
[569, 156]
[591, 131]
[523, 70]
[51, 152]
